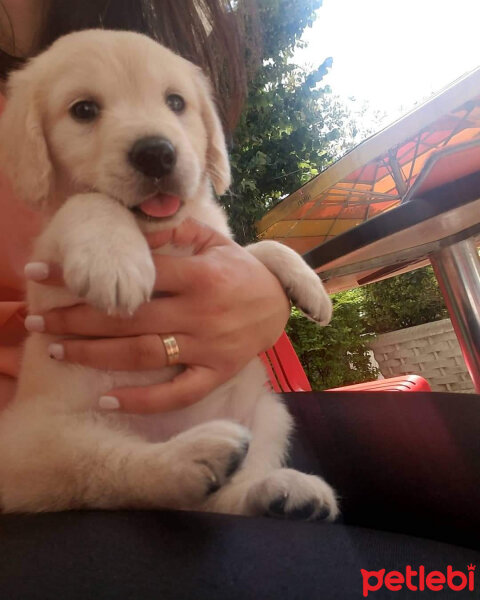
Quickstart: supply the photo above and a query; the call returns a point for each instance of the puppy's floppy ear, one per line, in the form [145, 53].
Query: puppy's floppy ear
[24, 156]
[218, 165]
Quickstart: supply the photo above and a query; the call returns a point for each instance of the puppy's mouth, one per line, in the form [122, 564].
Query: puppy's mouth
[158, 207]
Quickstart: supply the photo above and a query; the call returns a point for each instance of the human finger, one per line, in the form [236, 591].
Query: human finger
[137, 353]
[44, 273]
[85, 320]
[189, 234]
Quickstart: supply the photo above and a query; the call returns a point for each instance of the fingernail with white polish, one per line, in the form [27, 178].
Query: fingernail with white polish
[108, 403]
[56, 351]
[36, 271]
[35, 323]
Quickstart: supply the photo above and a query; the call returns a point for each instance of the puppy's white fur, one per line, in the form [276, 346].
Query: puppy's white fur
[57, 451]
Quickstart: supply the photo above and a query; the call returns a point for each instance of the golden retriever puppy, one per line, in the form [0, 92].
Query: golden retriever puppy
[113, 135]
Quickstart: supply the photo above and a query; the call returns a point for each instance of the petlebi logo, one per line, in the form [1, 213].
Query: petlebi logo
[418, 579]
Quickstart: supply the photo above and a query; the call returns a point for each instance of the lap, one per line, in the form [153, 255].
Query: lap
[405, 462]
[194, 556]
[401, 463]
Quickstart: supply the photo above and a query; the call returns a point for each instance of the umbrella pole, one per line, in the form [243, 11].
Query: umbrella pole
[457, 269]
[397, 174]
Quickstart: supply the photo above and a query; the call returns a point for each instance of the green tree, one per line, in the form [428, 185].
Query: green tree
[338, 354]
[281, 141]
[409, 299]
[290, 130]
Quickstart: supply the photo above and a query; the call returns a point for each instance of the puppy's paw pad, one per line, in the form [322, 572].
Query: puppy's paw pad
[286, 493]
[322, 316]
[211, 454]
[280, 508]
[316, 309]
[237, 457]
[325, 514]
[310, 296]
[276, 508]
[221, 467]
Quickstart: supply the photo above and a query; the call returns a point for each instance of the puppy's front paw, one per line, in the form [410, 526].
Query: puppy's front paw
[115, 281]
[207, 457]
[302, 285]
[293, 495]
[308, 294]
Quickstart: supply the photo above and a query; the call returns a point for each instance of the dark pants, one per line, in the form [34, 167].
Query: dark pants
[407, 469]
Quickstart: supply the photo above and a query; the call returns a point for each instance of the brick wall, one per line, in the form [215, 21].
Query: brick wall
[429, 350]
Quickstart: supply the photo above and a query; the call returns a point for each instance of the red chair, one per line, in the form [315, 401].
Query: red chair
[284, 369]
[286, 374]
[404, 383]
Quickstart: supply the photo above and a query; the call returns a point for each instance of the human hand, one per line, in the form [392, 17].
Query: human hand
[221, 304]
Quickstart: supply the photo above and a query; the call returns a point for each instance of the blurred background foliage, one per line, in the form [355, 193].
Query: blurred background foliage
[291, 129]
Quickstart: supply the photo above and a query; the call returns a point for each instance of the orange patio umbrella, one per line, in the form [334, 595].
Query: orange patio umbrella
[377, 174]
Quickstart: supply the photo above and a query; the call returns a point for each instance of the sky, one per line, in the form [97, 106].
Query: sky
[392, 54]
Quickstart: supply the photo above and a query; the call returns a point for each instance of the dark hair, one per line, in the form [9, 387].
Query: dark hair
[209, 33]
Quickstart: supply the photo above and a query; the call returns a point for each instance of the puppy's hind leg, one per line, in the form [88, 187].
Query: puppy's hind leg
[263, 486]
[70, 462]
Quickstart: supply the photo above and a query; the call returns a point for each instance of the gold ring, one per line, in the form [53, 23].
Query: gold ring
[172, 350]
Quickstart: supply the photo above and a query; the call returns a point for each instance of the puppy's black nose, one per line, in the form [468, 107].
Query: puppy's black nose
[153, 156]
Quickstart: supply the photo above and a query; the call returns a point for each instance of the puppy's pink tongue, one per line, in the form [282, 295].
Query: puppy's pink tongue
[160, 205]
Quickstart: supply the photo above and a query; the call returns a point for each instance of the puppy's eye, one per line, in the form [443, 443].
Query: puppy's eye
[85, 110]
[176, 103]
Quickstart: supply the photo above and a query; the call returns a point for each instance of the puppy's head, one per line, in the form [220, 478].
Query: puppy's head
[116, 113]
